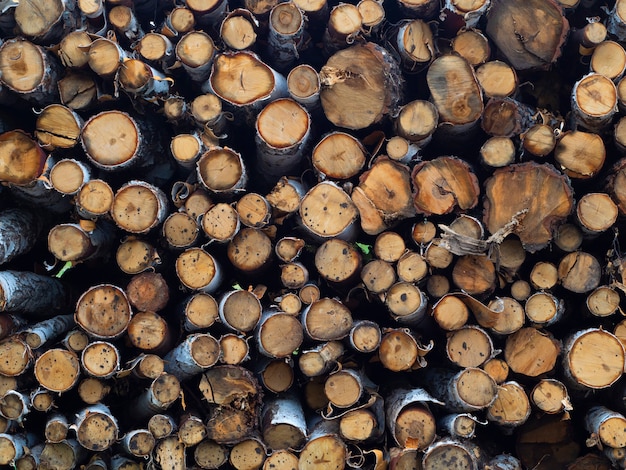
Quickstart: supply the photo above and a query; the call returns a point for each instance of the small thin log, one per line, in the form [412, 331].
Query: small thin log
[178, 22]
[22, 160]
[81, 242]
[584, 350]
[282, 423]
[135, 256]
[378, 276]
[469, 346]
[343, 26]
[608, 58]
[497, 79]
[472, 44]
[222, 171]
[103, 311]
[29, 70]
[278, 334]
[464, 452]
[156, 399]
[68, 176]
[196, 353]
[19, 230]
[303, 83]
[94, 199]
[544, 309]
[92, 391]
[255, 211]
[239, 29]
[443, 185]
[208, 12]
[404, 409]
[180, 230]
[471, 389]
[149, 332]
[56, 428]
[280, 152]
[199, 311]
[138, 443]
[17, 290]
[416, 45]
[124, 21]
[338, 262]
[234, 349]
[106, 56]
[579, 272]
[531, 352]
[338, 156]
[326, 320]
[161, 425]
[580, 154]
[320, 359]
[42, 400]
[603, 301]
[142, 81]
[281, 459]
[148, 292]
[461, 425]
[156, 49]
[594, 101]
[169, 453]
[198, 270]
[544, 275]
[287, 36]
[221, 223]
[511, 407]
[551, 396]
[250, 251]
[240, 310]
[249, 453]
[276, 375]
[45, 331]
[257, 83]
[400, 350]
[96, 428]
[100, 359]
[606, 427]
[323, 443]
[417, 122]
[195, 51]
[406, 303]
[327, 211]
[191, 429]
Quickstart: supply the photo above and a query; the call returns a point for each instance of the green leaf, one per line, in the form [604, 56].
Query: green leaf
[365, 249]
[68, 265]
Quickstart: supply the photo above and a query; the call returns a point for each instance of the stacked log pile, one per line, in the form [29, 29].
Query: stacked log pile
[312, 234]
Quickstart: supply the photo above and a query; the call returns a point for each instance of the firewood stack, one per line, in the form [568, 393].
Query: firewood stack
[312, 234]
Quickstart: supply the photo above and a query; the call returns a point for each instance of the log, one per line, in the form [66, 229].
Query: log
[608, 59]
[456, 93]
[240, 310]
[520, 355]
[239, 29]
[29, 70]
[338, 156]
[198, 352]
[513, 28]
[535, 226]
[551, 396]
[596, 347]
[19, 230]
[103, 311]
[360, 85]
